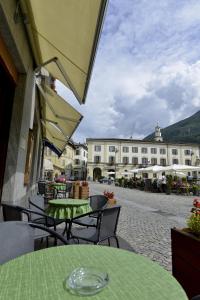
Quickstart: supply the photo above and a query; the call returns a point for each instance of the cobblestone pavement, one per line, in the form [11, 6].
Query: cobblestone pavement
[146, 219]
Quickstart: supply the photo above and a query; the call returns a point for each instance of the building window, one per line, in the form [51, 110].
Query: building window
[111, 159]
[77, 161]
[125, 149]
[97, 148]
[111, 148]
[135, 160]
[144, 150]
[175, 161]
[84, 153]
[135, 149]
[144, 160]
[175, 151]
[97, 159]
[153, 151]
[154, 161]
[125, 160]
[77, 152]
[187, 152]
[162, 151]
[188, 162]
[163, 162]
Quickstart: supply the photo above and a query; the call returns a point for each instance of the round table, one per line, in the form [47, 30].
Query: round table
[40, 275]
[67, 208]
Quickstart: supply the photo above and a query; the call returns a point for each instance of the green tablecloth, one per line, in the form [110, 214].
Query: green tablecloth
[67, 208]
[40, 275]
[59, 186]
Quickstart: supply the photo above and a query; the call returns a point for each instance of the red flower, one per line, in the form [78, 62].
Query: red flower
[196, 203]
[109, 195]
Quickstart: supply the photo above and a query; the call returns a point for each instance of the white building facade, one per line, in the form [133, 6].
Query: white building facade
[121, 155]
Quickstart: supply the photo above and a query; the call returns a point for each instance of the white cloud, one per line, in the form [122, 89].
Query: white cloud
[147, 69]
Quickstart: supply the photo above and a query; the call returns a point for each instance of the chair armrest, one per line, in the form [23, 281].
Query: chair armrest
[52, 232]
[87, 214]
[29, 211]
[30, 202]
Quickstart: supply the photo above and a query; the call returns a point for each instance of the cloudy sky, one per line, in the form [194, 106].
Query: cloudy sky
[147, 69]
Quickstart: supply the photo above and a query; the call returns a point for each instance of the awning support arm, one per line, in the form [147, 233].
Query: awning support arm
[63, 72]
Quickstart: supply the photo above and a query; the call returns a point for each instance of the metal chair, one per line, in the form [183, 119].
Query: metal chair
[97, 202]
[16, 213]
[107, 220]
[41, 187]
[17, 238]
[36, 204]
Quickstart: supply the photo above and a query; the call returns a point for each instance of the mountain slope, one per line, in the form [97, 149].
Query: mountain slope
[185, 131]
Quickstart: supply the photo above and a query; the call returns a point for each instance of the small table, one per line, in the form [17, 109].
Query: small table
[40, 275]
[67, 209]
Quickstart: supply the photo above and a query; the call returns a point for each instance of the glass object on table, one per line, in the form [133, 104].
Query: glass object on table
[86, 281]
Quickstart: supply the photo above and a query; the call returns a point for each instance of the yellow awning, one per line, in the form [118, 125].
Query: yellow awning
[68, 30]
[59, 118]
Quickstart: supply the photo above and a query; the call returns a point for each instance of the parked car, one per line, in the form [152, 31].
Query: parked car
[103, 180]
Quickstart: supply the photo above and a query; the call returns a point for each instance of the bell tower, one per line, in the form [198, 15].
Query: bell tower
[158, 136]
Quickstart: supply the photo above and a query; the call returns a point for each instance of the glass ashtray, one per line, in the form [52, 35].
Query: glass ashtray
[86, 281]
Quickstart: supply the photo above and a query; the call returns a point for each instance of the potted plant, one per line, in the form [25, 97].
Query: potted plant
[110, 196]
[185, 252]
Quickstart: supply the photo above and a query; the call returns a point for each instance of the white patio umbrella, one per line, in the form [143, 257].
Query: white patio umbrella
[153, 169]
[127, 173]
[180, 168]
[180, 174]
[136, 170]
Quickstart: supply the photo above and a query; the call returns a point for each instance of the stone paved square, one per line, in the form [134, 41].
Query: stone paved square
[146, 219]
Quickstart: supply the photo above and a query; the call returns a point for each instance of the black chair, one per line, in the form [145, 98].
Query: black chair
[107, 220]
[17, 238]
[196, 297]
[16, 213]
[97, 202]
[41, 187]
[36, 204]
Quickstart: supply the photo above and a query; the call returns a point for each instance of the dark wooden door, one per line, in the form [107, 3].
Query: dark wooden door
[7, 89]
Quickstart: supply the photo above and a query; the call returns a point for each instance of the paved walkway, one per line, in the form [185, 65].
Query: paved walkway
[146, 219]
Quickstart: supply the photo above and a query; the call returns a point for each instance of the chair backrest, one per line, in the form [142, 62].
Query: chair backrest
[98, 201]
[11, 212]
[108, 220]
[16, 238]
[41, 187]
[36, 203]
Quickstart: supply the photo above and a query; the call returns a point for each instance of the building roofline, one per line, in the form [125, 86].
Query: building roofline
[138, 141]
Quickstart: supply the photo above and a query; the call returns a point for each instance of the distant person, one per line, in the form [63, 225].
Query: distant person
[164, 183]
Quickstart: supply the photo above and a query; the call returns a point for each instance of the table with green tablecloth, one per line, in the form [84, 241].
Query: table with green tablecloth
[40, 275]
[67, 209]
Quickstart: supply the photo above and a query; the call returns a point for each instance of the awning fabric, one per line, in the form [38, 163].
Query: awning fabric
[52, 147]
[68, 30]
[59, 118]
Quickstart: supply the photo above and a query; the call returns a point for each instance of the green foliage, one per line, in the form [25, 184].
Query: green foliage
[194, 222]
